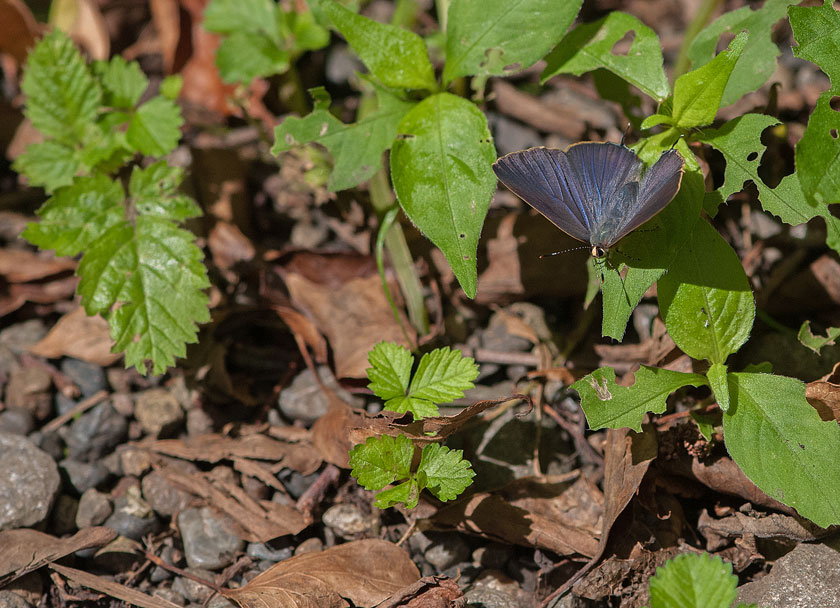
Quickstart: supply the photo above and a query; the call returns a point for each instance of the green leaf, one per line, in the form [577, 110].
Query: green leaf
[356, 148]
[307, 35]
[590, 46]
[705, 299]
[779, 441]
[396, 57]
[606, 404]
[156, 127]
[123, 82]
[499, 37]
[381, 460]
[758, 61]
[62, 97]
[816, 343]
[170, 87]
[154, 192]
[441, 170]
[243, 16]
[698, 94]
[49, 164]
[692, 580]
[443, 375]
[817, 33]
[407, 492]
[717, 381]
[243, 56]
[447, 473]
[818, 155]
[390, 370]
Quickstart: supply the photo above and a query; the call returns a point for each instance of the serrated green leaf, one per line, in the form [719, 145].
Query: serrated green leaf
[590, 46]
[817, 33]
[123, 82]
[776, 437]
[443, 375]
[381, 460]
[155, 128]
[758, 61]
[243, 16]
[691, 580]
[441, 170]
[62, 97]
[816, 343]
[705, 299]
[75, 217]
[170, 87]
[396, 57]
[356, 148]
[818, 155]
[390, 370]
[499, 37]
[447, 473]
[243, 56]
[420, 408]
[307, 35]
[154, 192]
[606, 404]
[49, 164]
[718, 383]
[698, 94]
[407, 493]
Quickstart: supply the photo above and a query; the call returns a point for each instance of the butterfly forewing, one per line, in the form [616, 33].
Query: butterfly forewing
[543, 178]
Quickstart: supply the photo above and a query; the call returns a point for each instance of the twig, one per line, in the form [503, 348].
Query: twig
[59, 421]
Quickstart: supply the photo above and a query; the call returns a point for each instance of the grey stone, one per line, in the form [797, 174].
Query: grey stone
[170, 556]
[51, 442]
[199, 422]
[170, 596]
[28, 388]
[132, 516]
[20, 336]
[16, 420]
[9, 599]
[310, 545]
[446, 550]
[158, 412]
[273, 551]
[807, 576]
[209, 539]
[494, 590]
[192, 590]
[295, 483]
[29, 483]
[94, 508]
[348, 521]
[162, 496]
[95, 433]
[82, 476]
[89, 377]
[220, 601]
[120, 555]
[304, 400]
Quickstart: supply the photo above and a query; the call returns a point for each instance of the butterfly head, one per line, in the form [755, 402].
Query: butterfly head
[598, 252]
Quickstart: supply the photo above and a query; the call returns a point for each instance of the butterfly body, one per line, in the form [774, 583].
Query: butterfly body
[596, 192]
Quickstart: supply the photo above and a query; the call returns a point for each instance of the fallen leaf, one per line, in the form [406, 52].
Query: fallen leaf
[19, 31]
[364, 571]
[112, 589]
[428, 592]
[80, 336]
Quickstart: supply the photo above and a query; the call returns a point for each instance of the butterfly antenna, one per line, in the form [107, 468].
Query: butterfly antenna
[676, 141]
[624, 135]
[553, 253]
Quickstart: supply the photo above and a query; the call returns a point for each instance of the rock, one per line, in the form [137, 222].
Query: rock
[20, 336]
[134, 461]
[83, 476]
[274, 550]
[192, 590]
[162, 496]
[348, 521]
[220, 601]
[446, 550]
[304, 400]
[169, 595]
[89, 377]
[29, 483]
[132, 516]
[494, 590]
[94, 508]
[95, 433]
[158, 412]
[310, 545]
[295, 483]
[172, 557]
[199, 422]
[9, 599]
[28, 389]
[807, 576]
[209, 539]
[120, 555]
[51, 442]
[64, 515]
[17, 421]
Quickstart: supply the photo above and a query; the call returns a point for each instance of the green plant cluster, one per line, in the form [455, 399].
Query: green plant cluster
[694, 580]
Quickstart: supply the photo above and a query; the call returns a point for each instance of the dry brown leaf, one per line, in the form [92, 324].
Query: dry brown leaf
[25, 550]
[330, 433]
[532, 111]
[501, 280]
[428, 592]
[364, 571]
[531, 512]
[80, 336]
[112, 589]
[167, 19]
[83, 21]
[305, 332]
[21, 265]
[19, 31]
[824, 397]
[229, 246]
[760, 525]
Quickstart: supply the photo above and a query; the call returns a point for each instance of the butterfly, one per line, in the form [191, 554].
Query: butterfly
[596, 192]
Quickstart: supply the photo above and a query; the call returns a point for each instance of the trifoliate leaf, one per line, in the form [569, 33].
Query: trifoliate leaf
[123, 82]
[692, 580]
[447, 473]
[390, 370]
[381, 460]
[443, 375]
[156, 127]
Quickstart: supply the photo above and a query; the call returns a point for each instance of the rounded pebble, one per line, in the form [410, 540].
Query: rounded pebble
[29, 483]
[209, 539]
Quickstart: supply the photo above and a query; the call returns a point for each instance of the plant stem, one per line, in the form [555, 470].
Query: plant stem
[704, 14]
[442, 7]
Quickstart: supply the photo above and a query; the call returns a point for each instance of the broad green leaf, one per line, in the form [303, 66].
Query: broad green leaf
[718, 383]
[499, 37]
[649, 251]
[590, 46]
[443, 375]
[705, 299]
[817, 33]
[395, 56]
[49, 164]
[816, 343]
[698, 94]
[381, 460]
[154, 192]
[155, 128]
[390, 370]
[62, 97]
[691, 581]
[441, 170]
[818, 154]
[606, 404]
[356, 148]
[776, 437]
[758, 61]
[123, 82]
[232, 16]
[407, 493]
[243, 56]
[446, 472]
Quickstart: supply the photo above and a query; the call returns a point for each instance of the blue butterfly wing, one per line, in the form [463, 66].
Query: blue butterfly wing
[543, 178]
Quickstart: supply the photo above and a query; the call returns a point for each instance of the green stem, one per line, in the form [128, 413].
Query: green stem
[704, 14]
[442, 7]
